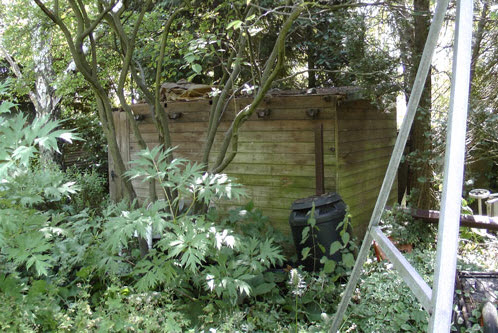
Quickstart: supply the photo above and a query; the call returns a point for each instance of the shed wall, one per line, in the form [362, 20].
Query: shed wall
[365, 140]
[276, 154]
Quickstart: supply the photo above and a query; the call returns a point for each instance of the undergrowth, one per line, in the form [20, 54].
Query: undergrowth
[69, 258]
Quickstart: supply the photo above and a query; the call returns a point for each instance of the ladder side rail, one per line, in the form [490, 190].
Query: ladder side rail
[449, 220]
[418, 286]
[423, 70]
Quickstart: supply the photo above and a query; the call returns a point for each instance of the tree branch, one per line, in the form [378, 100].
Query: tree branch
[160, 114]
[217, 108]
[17, 71]
[96, 22]
[232, 135]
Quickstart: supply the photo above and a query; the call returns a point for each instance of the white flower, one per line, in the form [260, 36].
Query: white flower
[297, 283]
[210, 281]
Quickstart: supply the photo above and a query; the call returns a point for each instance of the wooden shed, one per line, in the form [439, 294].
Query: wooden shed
[279, 146]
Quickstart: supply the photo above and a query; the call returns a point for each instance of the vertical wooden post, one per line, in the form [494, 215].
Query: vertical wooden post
[319, 167]
[114, 183]
[124, 147]
[123, 138]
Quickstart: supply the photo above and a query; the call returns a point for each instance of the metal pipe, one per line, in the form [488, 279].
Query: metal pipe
[418, 86]
[447, 246]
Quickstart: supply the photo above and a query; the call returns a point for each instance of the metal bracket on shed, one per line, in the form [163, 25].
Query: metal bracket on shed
[313, 113]
[174, 115]
[263, 114]
[139, 117]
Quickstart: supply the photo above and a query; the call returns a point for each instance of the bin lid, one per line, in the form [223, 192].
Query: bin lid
[319, 200]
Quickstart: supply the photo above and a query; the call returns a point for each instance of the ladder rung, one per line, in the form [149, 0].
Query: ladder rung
[411, 277]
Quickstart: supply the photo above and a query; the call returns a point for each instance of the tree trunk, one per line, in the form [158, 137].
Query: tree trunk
[420, 174]
[479, 35]
[310, 55]
[44, 77]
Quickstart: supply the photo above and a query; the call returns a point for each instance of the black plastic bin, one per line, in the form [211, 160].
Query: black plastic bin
[329, 212]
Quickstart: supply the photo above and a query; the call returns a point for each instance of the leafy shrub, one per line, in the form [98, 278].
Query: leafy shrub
[92, 192]
[76, 267]
[194, 254]
[406, 230]
[25, 231]
[91, 152]
[384, 303]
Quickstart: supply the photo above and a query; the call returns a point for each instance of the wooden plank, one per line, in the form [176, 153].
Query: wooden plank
[362, 199]
[276, 192]
[359, 146]
[282, 136]
[114, 186]
[249, 126]
[255, 158]
[277, 102]
[367, 201]
[319, 162]
[188, 117]
[147, 136]
[365, 135]
[276, 170]
[356, 190]
[292, 113]
[146, 126]
[246, 147]
[471, 221]
[313, 101]
[366, 123]
[353, 113]
[377, 173]
[264, 203]
[360, 157]
[357, 104]
[270, 195]
[273, 114]
[125, 138]
[306, 101]
[367, 166]
[281, 181]
[279, 159]
[361, 186]
[177, 106]
[335, 148]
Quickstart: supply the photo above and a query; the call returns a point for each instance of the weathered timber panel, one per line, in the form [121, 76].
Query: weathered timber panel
[364, 210]
[123, 139]
[365, 140]
[246, 136]
[276, 153]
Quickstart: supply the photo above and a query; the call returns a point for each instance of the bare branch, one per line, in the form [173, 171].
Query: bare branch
[79, 16]
[17, 71]
[328, 71]
[97, 20]
[217, 107]
[163, 120]
[232, 135]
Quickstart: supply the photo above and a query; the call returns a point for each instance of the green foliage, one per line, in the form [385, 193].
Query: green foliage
[404, 229]
[399, 310]
[92, 186]
[345, 248]
[92, 151]
[25, 231]
[186, 180]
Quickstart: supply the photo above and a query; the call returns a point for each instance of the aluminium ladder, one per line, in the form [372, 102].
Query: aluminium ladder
[438, 301]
